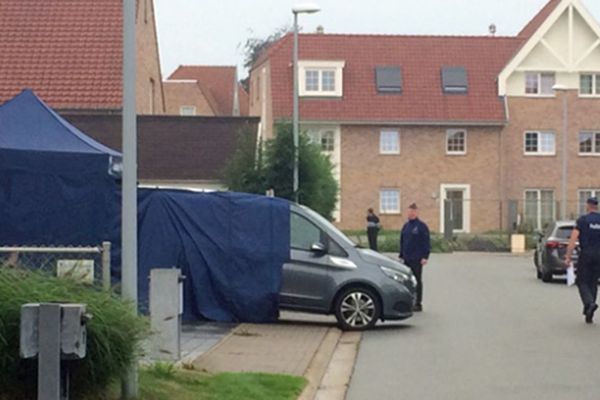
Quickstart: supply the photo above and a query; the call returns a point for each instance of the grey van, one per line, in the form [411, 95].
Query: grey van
[329, 274]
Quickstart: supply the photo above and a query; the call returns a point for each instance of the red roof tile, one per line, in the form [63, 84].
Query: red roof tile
[219, 80]
[68, 51]
[539, 19]
[421, 59]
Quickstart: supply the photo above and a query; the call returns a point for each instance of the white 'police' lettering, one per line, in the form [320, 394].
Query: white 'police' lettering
[595, 226]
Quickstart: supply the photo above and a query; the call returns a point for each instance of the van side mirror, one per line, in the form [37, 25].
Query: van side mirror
[318, 249]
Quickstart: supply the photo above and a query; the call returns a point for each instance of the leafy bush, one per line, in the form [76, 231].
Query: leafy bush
[254, 172]
[113, 334]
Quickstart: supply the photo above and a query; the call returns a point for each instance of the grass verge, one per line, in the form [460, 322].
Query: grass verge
[162, 383]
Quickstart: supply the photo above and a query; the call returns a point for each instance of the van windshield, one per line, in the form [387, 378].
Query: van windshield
[339, 234]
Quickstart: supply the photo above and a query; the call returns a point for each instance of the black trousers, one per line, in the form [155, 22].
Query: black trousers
[372, 235]
[588, 273]
[417, 269]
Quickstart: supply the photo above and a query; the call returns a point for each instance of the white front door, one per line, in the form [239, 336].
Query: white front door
[459, 203]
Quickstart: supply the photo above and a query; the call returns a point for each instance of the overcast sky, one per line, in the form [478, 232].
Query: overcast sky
[212, 31]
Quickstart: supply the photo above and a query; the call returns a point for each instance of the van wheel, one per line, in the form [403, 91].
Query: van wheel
[357, 309]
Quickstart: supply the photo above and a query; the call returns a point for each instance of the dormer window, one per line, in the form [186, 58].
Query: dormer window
[388, 79]
[454, 80]
[321, 78]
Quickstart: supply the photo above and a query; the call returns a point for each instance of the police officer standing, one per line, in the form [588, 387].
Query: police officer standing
[587, 232]
[372, 228]
[415, 247]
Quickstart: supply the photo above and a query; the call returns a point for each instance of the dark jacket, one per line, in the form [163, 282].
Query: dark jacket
[414, 241]
[589, 232]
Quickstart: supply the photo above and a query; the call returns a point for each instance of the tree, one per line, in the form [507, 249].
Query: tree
[318, 187]
[245, 172]
[248, 172]
[255, 46]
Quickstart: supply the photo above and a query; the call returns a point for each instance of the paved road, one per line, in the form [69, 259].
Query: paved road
[490, 331]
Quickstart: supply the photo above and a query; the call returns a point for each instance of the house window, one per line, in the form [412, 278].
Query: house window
[539, 83]
[539, 208]
[327, 141]
[540, 143]
[454, 80]
[320, 78]
[324, 138]
[187, 110]
[589, 84]
[389, 201]
[389, 142]
[589, 143]
[456, 141]
[583, 196]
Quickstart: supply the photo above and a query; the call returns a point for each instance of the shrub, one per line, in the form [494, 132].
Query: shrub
[113, 334]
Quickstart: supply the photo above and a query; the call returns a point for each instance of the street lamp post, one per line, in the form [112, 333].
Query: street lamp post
[298, 9]
[565, 153]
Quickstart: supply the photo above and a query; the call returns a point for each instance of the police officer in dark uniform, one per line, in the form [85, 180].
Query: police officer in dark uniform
[415, 247]
[587, 232]
[372, 228]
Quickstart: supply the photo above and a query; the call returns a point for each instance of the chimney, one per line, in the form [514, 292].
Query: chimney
[320, 30]
[492, 29]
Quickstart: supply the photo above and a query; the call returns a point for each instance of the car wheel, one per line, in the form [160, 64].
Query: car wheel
[357, 309]
[546, 276]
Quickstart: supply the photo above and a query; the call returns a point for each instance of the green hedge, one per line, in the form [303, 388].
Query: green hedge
[114, 334]
[389, 242]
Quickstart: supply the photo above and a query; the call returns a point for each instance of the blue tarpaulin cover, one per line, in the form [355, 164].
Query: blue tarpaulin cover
[55, 183]
[231, 248]
[56, 188]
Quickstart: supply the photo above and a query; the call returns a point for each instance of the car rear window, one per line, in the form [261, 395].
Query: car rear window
[564, 232]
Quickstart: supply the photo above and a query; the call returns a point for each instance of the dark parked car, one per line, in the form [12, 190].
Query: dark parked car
[329, 274]
[551, 249]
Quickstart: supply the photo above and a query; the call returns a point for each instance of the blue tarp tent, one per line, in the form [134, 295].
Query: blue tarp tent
[56, 183]
[57, 188]
[230, 246]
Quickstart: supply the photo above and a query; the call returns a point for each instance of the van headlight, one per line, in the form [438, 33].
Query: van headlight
[396, 275]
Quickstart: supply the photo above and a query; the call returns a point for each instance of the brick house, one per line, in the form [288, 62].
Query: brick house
[205, 90]
[471, 119]
[70, 54]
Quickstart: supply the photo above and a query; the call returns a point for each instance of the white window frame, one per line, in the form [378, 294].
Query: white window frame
[336, 66]
[383, 133]
[581, 202]
[190, 108]
[450, 132]
[539, 84]
[539, 139]
[595, 77]
[539, 206]
[390, 211]
[466, 188]
[595, 150]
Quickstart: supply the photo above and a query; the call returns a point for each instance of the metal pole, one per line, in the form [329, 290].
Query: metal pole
[565, 155]
[49, 376]
[295, 110]
[129, 186]
[106, 265]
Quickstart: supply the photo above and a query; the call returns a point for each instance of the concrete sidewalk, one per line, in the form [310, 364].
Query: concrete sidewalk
[298, 345]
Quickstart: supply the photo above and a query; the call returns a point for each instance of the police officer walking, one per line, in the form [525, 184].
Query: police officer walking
[587, 232]
[415, 247]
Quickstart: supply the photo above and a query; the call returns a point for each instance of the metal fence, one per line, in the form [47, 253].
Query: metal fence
[87, 264]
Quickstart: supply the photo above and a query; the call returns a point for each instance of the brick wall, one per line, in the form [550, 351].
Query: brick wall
[179, 94]
[544, 172]
[149, 92]
[418, 171]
